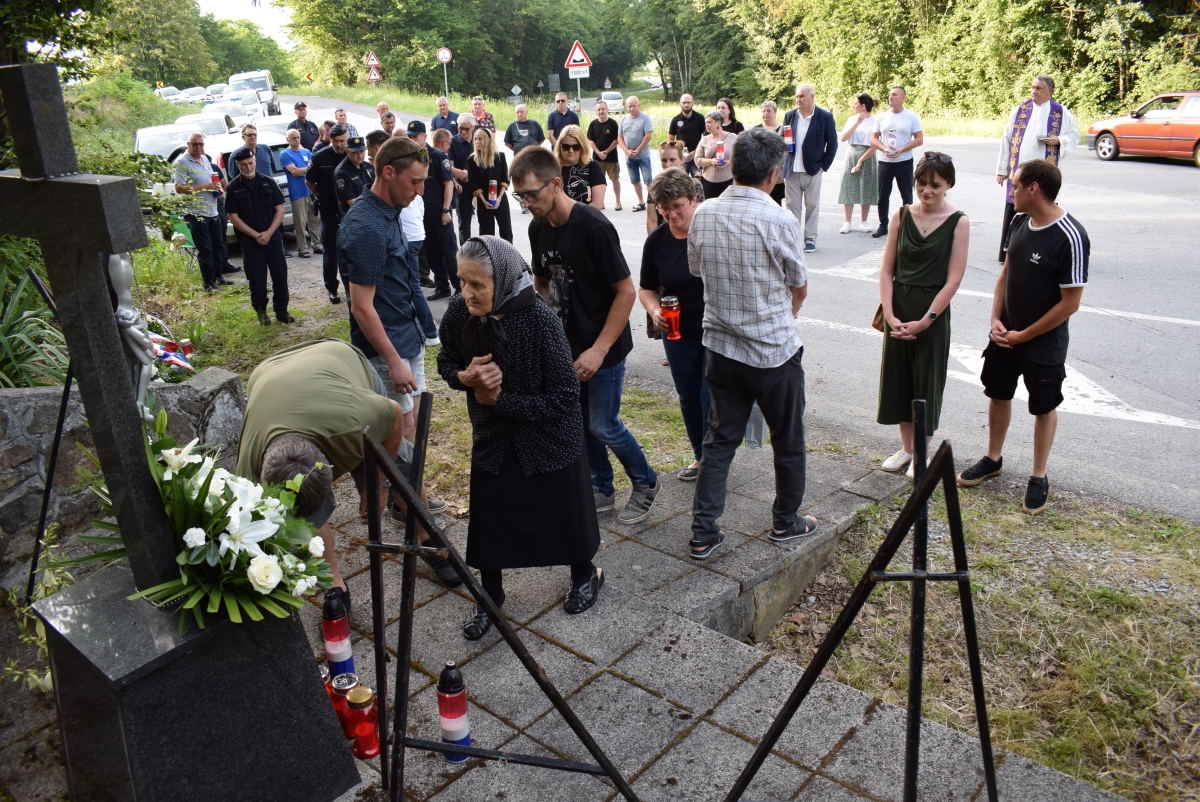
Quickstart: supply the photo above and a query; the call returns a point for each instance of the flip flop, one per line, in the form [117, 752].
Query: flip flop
[617, 207]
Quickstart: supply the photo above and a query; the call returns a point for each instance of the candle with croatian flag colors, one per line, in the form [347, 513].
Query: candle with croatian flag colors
[335, 627]
[720, 154]
[787, 139]
[492, 188]
[452, 708]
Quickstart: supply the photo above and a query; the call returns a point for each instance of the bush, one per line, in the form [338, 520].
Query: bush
[32, 349]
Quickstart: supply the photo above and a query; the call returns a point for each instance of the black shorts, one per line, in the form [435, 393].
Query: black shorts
[1002, 368]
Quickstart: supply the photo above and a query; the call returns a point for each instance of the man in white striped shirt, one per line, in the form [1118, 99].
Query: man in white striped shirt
[1039, 288]
[750, 253]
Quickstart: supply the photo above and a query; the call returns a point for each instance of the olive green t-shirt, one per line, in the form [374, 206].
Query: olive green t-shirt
[321, 390]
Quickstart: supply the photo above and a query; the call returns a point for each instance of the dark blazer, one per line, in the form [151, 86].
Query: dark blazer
[819, 146]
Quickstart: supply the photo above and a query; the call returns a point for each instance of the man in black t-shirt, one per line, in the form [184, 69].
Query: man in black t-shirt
[602, 136]
[579, 269]
[687, 126]
[1039, 288]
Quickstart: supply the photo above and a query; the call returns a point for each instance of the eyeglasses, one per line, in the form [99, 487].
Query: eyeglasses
[944, 158]
[675, 208]
[560, 101]
[530, 197]
[565, 146]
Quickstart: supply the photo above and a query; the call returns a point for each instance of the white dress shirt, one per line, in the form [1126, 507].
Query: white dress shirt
[1038, 125]
[800, 131]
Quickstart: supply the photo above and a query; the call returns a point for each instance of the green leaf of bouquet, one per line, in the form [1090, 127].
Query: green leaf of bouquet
[231, 608]
[164, 587]
[287, 598]
[104, 556]
[194, 599]
[271, 607]
[199, 617]
[212, 553]
[214, 600]
[250, 607]
[108, 526]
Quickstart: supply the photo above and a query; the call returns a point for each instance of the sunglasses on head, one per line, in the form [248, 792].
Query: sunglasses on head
[944, 158]
[566, 146]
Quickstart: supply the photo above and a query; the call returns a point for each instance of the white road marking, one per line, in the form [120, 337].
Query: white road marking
[1082, 396]
[866, 268]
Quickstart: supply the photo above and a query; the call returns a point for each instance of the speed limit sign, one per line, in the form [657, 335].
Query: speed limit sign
[444, 55]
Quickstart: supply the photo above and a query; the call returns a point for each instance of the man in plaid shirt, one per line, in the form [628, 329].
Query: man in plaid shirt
[749, 252]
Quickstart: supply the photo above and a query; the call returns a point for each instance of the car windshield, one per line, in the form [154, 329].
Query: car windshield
[279, 126]
[161, 144]
[168, 91]
[218, 89]
[232, 109]
[195, 91]
[259, 83]
[246, 98]
[210, 126]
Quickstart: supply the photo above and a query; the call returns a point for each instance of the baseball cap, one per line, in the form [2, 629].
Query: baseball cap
[355, 144]
[300, 103]
[416, 127]
[241, 154]
[338, 130]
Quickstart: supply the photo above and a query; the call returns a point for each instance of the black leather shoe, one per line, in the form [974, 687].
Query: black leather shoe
[231, 269]
[285, 317]
[334, 298]
[263, 318]
[477, 625]
[443, 570]
[226, 282]
[584, 596]
[439, 295]
[880, 232]
[427, 283]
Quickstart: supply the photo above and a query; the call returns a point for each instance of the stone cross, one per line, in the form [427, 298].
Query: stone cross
[81, 220]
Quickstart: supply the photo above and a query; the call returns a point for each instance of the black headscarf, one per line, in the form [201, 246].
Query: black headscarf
[513, 290]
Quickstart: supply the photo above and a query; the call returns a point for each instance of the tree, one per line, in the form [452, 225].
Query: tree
[62, 32]
[241, 46]
[168, 46]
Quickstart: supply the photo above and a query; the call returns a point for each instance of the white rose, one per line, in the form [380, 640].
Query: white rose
[316, 547]
[264, 573]
[194, 537]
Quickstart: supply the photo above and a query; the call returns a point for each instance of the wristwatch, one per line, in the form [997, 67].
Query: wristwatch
[445, 211]
[932, 315]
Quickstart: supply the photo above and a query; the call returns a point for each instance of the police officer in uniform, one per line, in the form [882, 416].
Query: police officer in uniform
[321, 181]
[255, 207]
[310, 134]
[353, 175]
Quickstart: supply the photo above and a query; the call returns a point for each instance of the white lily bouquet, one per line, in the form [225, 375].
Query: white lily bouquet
[241, 548]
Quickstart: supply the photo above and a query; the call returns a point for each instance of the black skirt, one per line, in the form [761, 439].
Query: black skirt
[520, 521]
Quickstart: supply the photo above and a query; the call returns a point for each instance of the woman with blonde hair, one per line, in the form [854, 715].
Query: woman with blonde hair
[582, 176]
[487, 183]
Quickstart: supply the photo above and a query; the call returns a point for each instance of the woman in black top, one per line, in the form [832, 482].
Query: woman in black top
[531, 487]
[582, 176]
[665, 272]
[485, 165]
[731, 124]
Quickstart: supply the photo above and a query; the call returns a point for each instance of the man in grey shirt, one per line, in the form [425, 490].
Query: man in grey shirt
[633, 137]
[523, 132]
[193, 175]
[749, 252]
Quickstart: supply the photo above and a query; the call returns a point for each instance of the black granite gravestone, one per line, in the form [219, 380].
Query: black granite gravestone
[232, 712]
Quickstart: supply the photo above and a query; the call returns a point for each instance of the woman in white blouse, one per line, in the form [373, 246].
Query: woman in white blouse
[860, 180]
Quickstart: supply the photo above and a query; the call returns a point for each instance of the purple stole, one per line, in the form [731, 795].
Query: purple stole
[1053, 126]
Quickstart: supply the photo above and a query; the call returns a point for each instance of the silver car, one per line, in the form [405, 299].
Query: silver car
[209, 124]
[217, 91]
[162, 140]
[249, 99]
[235, 110]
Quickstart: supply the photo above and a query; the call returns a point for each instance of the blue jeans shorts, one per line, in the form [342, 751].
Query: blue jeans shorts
[639, 169]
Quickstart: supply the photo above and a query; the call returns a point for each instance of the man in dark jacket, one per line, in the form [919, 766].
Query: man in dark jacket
[255, 207]
[320, 180]
[310, 134]
[816, 139]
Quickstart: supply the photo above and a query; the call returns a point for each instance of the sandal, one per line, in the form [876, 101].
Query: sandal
[617, 207]
[706, 547]
[804, 527]
[477, 625]
[641, 207]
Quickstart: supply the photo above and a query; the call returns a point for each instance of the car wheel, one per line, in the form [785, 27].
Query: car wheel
[1196, 155]
[1106, 147]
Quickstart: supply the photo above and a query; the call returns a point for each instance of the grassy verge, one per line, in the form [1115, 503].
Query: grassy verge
[1089, 625]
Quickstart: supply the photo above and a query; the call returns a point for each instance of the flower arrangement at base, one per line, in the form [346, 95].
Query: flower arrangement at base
[240, 548]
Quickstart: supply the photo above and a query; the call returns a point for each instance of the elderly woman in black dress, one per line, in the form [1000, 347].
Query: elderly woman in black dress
[531, 488]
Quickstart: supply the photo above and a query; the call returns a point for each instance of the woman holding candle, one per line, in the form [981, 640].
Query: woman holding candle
[487, 180]
[665, 276]
[507, 351]
[714, 155]
[582, 176]
[770, 121]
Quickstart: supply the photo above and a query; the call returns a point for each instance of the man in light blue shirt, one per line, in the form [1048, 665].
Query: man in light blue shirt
[295, 160]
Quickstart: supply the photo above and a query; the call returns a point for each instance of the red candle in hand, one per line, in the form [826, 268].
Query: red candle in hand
[670, 311]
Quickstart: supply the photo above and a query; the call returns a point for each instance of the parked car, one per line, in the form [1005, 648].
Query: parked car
[162, 140]
[616, 103]
[248, 98]
[217, 91]
[210, 124]
[194, 94]
[166, 92]
[260, 81]
[1169, 125]
[236, 111]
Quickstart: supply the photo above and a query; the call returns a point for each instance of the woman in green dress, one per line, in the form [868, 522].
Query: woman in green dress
[923, 264]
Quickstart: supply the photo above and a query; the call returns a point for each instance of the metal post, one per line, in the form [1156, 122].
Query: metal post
[51, 466]
[916, 627]
[371, 474]
[578, 96]
[446, 79]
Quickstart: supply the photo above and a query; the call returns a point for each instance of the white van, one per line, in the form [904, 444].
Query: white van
[262, 83]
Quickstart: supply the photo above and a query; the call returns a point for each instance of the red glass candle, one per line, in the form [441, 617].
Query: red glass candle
[328, 680]
[720, 154]
[342, 685]
[363, 715]
[670, 311]
[787, 139]
[492, 188]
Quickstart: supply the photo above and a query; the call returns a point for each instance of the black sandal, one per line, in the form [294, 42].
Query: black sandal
[806, 526]
[708, 547]
[477, 625]
[641, 207]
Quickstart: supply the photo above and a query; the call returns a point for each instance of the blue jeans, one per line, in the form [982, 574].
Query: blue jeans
[687, 360]
[424, 316]
[600, 398]
[639, 169]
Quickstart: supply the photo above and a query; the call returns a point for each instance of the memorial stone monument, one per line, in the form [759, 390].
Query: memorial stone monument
[230, 712]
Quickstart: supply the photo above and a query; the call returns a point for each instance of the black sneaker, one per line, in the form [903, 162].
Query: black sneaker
[584, 596]
[334, 298]
[879, 232]
[285, 317]
[1036, 494]
[637, 509]
[986, 468]
[443, 570]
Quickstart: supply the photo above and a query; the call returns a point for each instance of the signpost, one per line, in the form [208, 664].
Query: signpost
[578, 66]
[607, 83]
[372, 60]
[444, 55]
[374, 76]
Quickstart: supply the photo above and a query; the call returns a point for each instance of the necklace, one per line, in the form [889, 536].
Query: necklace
[925, 229]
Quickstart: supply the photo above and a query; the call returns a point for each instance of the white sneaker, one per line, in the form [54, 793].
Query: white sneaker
[897, 461]
[911, 473]
[845, 229]
[865, 228]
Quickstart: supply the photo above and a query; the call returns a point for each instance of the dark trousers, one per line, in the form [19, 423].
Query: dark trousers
[464, 221]
[424, 316]
[329, 260]
[1008, 216]
[493, 581]
[902, 173]
[734, 388]
[222, 249]
[206, 236]
[423, 263]
[442, 251]
[688, 361]
[488, 218]
[258, 260]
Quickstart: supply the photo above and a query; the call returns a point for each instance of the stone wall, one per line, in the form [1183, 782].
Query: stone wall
[208, 406]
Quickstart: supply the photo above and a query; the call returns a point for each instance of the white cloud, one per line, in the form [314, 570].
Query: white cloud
[271, 18]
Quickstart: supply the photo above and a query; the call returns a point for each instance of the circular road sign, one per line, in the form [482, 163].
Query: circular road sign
[444, 55]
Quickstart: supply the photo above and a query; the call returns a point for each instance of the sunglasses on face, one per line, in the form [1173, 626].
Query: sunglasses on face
[566, 146]
[560, 101]
[944, 158]
[530, 197]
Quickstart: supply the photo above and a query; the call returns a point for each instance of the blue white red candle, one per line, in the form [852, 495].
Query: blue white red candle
[335, 628]
[452, 709]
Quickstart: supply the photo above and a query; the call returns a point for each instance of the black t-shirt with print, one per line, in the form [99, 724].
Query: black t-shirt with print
[578, 180]
[689, 129]
[1040, 263]
[588, 247]
[665, 267]
[604, 134]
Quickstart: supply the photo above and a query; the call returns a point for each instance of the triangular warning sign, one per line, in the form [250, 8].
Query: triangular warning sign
[374, 76]
[578, 58]
[372, 61]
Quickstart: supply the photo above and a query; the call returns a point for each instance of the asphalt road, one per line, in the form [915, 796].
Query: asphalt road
[1130, 429]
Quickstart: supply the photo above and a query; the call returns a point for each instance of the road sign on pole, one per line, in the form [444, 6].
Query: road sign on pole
[372, 60]
[444, 55]
[577, 67]
[374, 77]
[607, 83]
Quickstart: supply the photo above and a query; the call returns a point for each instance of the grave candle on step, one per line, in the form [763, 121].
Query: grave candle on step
[342, 685]
[363, 715]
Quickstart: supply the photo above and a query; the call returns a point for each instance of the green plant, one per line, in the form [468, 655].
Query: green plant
[32, 349]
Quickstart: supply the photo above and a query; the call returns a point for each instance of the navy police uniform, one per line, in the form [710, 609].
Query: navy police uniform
[349, 182]
[255, 200]
[320, 173]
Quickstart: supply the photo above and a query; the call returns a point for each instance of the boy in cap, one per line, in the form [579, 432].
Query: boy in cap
[353, 175]
[255, 207]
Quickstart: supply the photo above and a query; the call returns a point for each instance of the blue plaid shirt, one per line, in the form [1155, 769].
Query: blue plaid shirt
[372, 249]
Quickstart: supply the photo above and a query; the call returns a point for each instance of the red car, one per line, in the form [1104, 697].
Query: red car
[1169, 125]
